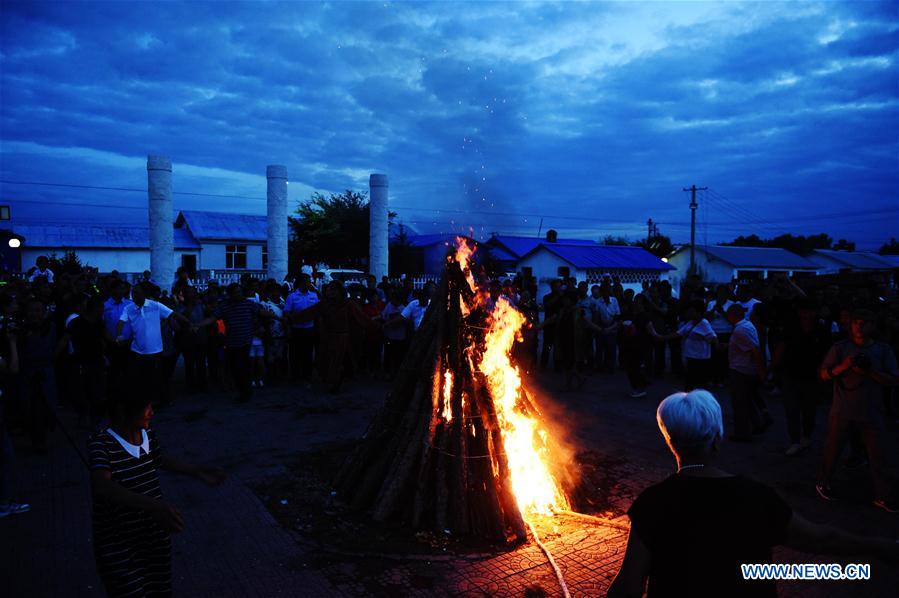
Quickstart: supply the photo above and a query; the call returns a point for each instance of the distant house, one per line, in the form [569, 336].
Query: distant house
[591, 262]
[723, 263]
[831, 261]
[428, 252]
[203, 241]
[227, 241]
[507, 250]
[106, 247]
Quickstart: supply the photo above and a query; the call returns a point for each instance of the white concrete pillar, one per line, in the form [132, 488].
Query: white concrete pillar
[378, 244]
[276, 203]
[162, 246]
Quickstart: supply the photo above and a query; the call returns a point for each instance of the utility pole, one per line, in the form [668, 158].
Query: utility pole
[649, 232]
[693, 205]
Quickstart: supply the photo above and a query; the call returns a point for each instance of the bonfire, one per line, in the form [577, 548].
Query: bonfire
[460, 446]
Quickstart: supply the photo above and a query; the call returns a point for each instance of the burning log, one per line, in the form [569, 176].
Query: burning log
[458, 445]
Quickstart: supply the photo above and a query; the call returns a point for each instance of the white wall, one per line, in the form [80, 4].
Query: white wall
[254, 257]
[545, 268]
[714, 271]
[212, 256]
[826, 264]
[105, 260]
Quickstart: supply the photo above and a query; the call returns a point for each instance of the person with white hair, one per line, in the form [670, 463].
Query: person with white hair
[691, 532]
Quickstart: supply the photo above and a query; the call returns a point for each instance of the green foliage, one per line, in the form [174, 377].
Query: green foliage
[332, 229]
[613, 240]
[659, 245]
[844, 245]
[796, 243]
[68, 263]
[891, 248]
[402, 257]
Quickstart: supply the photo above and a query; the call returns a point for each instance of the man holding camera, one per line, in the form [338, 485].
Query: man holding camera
[859, 368]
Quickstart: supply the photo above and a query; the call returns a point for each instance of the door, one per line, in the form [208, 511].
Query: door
[189, 263]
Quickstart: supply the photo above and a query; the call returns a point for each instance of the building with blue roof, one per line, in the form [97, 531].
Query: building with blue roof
[833, 261]
[507, 250]
[724, 263]
[428, 252]
[208, 241]
[591, 262]
[106, 247]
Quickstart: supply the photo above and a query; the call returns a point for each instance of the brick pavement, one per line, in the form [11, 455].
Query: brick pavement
[233, 547]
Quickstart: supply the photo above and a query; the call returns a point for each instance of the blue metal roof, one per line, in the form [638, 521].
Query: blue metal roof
[501, 254]
[756, 257]
[224, 225]
[856, 260]
[428, 240]
[520, 246]
[606, 257]
[101, 236]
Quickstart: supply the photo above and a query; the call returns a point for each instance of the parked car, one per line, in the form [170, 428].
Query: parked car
[347, 277]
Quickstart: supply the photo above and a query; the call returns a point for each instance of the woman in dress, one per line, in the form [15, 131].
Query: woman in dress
[132, 523]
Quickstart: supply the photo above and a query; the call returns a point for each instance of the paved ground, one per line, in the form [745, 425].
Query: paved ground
[233, 546]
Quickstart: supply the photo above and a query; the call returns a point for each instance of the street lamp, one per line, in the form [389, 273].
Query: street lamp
[15, 243]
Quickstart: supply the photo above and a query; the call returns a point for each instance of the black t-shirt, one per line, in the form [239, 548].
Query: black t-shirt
[804, 351]
[87, 340]
[700, 530]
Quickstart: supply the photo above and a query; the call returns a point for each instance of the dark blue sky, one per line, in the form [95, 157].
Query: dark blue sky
[593, 116]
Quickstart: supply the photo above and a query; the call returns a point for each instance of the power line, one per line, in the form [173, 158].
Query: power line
[98, 188]
[743, 216]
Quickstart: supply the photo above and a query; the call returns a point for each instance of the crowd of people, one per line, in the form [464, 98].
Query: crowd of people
[758, 339]
[103, 339]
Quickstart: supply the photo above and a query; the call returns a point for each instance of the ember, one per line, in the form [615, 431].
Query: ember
[459, 446]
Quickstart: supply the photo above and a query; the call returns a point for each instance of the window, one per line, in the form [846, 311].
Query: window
[265, 257]
[235, 257]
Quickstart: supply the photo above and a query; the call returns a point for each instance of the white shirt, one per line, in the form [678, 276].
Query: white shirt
[697, 339]
[48, 274]
[69, 319]
[277, 327]
[395, 331]
[415, 311]
[748, 306]
[298, 301]
[133, 449]
[719, 323]
[744, 339]
[606, 311]
[145, 326]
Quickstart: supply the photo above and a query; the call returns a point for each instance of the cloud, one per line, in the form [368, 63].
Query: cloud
[576, 109]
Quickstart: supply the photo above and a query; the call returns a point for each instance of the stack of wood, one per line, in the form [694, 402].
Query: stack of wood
[431, 465]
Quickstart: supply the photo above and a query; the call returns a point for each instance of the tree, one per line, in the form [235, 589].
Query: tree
[659, 245]
[613, 240]
[799, 244]
[402, 254]
[333, 230]
[844, 245]
[891, 248]
[68, 263]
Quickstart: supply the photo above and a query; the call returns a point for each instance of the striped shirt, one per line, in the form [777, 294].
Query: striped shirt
[239, 317]
[134, 553]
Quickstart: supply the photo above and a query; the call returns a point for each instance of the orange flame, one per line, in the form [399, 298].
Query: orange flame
[447, 396]
[525, 440]
[464, 251]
